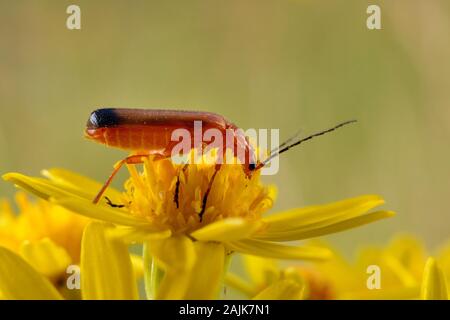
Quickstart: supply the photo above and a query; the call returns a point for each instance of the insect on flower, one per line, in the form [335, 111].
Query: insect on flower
[146, 132]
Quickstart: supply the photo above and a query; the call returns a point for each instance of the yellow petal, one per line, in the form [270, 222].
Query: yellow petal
[138, 265]
[410, 252]
[316, 231]
[236, 282]
[55, 189]
[322, 215]
[72, 180]
[42, 188]
[208, 271]
[230, 229]
[6, 212]
[46, 257]
[131, 234]
[261, 270]
[434, 285]
[283, 289]
[106, 270]
[176, 256]
[192, 270]
[307, 215]
[175, 252]
[278, 251]
[19, 281]
[73, 200]
[399, 270]
[101, 212]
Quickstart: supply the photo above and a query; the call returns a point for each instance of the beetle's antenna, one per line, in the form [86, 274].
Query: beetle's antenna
[285, 143]
[286, 146]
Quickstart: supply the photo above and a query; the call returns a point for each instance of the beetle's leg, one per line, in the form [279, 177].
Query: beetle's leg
[133, 159]
[205, 197]
[177, 187]
[111, 204]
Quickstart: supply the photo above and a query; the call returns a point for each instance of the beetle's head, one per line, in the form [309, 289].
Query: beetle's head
[251, 168]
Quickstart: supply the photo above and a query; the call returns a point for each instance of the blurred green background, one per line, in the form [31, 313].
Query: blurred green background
[262, 64]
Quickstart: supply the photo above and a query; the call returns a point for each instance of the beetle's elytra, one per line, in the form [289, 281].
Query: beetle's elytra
[147, 130]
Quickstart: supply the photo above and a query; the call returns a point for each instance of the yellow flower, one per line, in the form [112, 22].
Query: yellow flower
[402, 264]
[47, 236]
[186, 240]
[106, 271]
[267, 275]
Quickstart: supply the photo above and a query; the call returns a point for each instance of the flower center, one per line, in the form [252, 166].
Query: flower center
[173, 196]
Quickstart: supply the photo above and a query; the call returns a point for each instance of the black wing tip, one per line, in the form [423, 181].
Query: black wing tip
[103, 117]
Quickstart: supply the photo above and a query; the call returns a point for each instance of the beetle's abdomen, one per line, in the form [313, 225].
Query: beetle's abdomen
[133, 138]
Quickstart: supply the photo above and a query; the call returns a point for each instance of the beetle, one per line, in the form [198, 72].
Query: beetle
[145, 132]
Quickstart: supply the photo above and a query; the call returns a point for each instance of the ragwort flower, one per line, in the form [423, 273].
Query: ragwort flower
[183, 238]
[106, 271]
[405, 273]
[47, 236]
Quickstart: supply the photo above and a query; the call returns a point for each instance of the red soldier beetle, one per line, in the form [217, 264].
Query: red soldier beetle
[146, 132]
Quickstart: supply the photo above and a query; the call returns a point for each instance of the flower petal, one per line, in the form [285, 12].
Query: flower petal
[131, 234]
[192, 270]
[106, 270]
[434, 285]
[138, 265]
[238, 283]
[410, 253]
[283, 289]
[47, 189]
[19, 281]
[176, 256]
[278, 251]
[319, 216]
[40, 187]
[208, 271]
[261, 270]
[316, 231]
[101, 212]
[46, 257]
[72, 180]
[404, 275]
[230, 229]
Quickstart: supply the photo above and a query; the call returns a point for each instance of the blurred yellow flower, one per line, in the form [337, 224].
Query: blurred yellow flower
[106, 271]
[185, 240]
[404, 273]
[47, 236]
[302, 282]
[401, 264]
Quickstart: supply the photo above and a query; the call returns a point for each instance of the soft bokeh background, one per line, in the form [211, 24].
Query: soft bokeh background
[262, 64]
